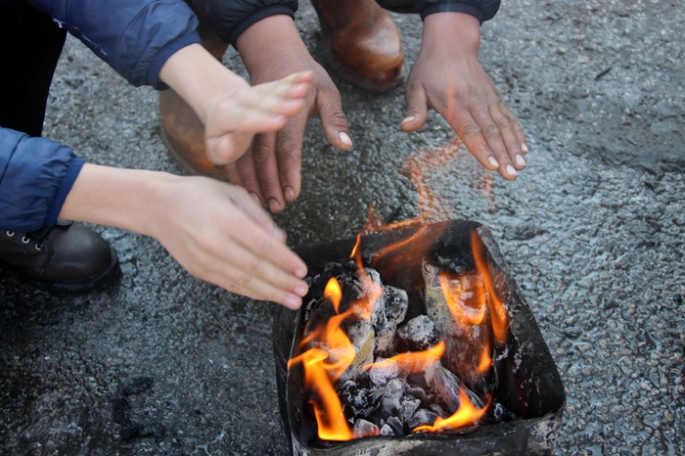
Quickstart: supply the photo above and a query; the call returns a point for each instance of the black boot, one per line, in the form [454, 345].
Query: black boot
[65, 258]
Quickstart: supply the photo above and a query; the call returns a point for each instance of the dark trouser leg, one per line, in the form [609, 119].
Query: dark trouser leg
[64, 258]
[30, 45]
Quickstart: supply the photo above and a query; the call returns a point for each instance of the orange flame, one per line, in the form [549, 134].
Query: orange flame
[333, 293]
[463, 315]
[485, 358]
[498, 314]
[413, 362]
[466, 415]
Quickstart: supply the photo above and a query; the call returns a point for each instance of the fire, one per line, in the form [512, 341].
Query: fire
[498, 314]
[333, 293]
[463, 315]
[413, 362]
[466, 415]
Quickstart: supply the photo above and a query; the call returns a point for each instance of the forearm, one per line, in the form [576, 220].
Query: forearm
[448, 34]
[116, 197]
[198, 77]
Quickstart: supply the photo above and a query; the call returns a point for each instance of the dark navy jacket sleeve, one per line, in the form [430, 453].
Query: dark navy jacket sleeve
[481, 9]
[135, 37]
[36, 174]
[230, 18]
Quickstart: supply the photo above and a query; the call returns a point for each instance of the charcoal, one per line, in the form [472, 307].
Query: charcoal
[409, 406]
[388, 432]
[396, 425]
[396, 304]
[419, 393]
[357, 401]
[361, 336]
[381, 374]
[422, 417]
[390, 401]
[363, 428]
[446, 386]
[418, 333]
[385, 338]
[436, 304]
[502, 414]
[435, 408]
[359, 287]
[319, 314]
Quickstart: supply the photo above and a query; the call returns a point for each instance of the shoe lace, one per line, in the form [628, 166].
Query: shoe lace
[38, 236]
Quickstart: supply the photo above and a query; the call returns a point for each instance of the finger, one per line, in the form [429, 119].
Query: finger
[257, 233]
[469, 132]
[417, 107]
[518, 131]
[490, 131]
[249, 179]
[234, 175]
[506, 129]
[289, 154]
[293, 86]
[266, 166]
[333, 118]
[252, 274]
[228, 147]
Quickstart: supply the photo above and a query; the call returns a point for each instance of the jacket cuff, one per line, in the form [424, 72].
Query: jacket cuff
[452, 7]
[256, 17]
[64, 189]
[164, 54]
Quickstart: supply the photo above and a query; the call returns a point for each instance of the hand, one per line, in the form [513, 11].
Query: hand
[448, 77]
[211, 228]
[270, 171]
[231, 110]
[220, 235]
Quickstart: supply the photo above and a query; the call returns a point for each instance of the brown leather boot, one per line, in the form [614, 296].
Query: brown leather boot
[361, 42]
[182, 131]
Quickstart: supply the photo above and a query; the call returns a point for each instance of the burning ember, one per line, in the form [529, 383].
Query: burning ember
[369, 369]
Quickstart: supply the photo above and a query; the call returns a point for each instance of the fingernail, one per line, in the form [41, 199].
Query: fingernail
[524, 147]
[344, 138]
[511, 171]
[293, 302]
[409, 119]
[301, 289]
[256, 198]
[289, 193]
[301, 272]
[493, 162]
[520, 161]
[274, 205]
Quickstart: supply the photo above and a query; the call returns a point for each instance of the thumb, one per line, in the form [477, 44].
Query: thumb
[333, 119]
[228, 147]
[417, 108]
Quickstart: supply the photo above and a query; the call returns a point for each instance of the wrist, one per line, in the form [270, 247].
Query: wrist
[451, 33]
[198, 77]
[122, 198]
[269, 39]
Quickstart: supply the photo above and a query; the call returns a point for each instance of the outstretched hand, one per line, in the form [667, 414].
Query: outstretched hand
[270, 170]
[230, 109]
[448, 78]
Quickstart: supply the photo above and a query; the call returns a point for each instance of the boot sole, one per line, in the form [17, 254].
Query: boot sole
[106, 277]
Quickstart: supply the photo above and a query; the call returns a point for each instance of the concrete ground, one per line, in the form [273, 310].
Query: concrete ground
[593, 230]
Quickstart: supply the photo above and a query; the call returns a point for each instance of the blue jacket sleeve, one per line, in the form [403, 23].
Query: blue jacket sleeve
[481, 9]
[135, 37]
[36, 174]
[231, 18]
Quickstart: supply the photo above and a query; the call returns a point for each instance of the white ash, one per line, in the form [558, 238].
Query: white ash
[418, 333]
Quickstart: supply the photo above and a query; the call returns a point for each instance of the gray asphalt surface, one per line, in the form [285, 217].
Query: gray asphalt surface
[593, 230]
